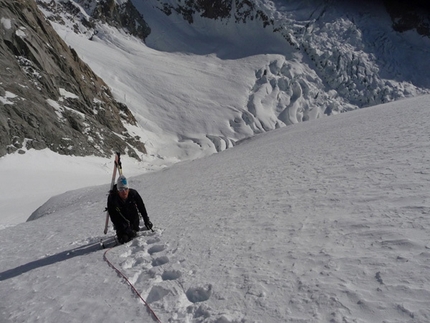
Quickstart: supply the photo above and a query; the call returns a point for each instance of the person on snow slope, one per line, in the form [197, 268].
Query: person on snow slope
[123, 206]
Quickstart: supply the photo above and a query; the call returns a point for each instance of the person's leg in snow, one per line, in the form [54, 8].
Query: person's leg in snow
[126, 237]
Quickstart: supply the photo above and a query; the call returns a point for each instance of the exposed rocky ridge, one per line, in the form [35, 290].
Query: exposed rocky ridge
[49, 97]
[241, 11]
[410, 15]
[339, 78]
[89, 13]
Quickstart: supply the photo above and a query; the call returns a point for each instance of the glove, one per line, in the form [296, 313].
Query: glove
[148, 225]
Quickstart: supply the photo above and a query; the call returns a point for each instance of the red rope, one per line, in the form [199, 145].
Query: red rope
[131, 285]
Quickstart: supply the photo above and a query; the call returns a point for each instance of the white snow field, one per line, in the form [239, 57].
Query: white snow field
[201, 88]
[323, 221]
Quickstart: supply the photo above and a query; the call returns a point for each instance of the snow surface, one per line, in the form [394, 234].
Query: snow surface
[323, 221]
[195, 90]
[34, 177]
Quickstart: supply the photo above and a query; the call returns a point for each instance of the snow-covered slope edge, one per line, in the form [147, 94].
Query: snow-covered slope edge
[321, 221]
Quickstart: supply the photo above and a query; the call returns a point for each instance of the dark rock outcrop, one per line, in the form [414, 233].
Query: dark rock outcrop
[241, 11]
[410, 15]
[122, 16]
[49, 98]
[406, 15]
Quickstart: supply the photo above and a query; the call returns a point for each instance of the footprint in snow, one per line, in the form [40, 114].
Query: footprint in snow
[199, 293]
[157, 293]
[153, 240]
[156, 248]
[128, 263]
[171, 275]
[160, 261]
[137, 243]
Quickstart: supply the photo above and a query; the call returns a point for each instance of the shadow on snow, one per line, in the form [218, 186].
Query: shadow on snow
[65, 255]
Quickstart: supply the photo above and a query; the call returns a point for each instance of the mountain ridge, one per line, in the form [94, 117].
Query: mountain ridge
[335, 57]
[51, 98]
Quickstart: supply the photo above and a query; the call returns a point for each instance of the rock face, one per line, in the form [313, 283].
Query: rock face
[49, 98]
[241, 10]
[121, 15]
[410, 15]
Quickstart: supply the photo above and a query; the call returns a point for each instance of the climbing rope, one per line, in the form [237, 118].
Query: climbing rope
[155, 317]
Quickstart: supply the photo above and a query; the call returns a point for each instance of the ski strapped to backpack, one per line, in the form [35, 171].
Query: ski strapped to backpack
[117, 167]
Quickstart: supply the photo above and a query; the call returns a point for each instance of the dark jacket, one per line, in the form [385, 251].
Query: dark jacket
[123, 214]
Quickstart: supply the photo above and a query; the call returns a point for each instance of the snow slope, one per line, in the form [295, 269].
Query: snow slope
[31, 179]
[323, 221]
[199, 89]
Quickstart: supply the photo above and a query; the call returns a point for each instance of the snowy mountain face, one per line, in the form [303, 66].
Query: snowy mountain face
[309, 59]
[87, 13]
[352, 47]
[259, 65]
